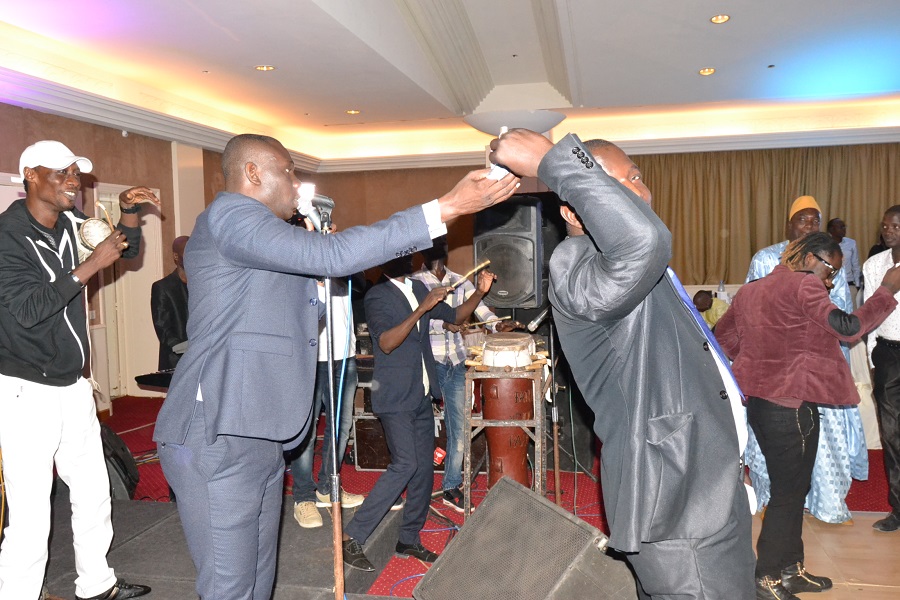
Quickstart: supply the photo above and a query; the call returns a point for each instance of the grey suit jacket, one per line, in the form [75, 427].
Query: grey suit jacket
[670, 451]
[254, 312]
[397, 380]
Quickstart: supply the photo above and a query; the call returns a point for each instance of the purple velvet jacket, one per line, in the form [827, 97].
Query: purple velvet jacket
[783, 334]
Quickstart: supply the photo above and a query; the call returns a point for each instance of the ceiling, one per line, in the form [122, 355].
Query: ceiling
[797, 72]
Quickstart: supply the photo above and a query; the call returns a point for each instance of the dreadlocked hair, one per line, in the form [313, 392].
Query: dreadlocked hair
[820, 244]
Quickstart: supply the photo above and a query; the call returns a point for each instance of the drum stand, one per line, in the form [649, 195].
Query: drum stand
[533, 427]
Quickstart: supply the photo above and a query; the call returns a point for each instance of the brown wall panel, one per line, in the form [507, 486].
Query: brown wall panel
[131, 160]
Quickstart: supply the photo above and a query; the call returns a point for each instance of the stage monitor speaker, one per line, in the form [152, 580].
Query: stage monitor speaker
[509, 235]
[120, 464]
[520, 545]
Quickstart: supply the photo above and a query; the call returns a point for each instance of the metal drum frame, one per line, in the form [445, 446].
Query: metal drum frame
[533, 427]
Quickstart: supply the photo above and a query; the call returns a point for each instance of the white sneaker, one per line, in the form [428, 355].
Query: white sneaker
[307, 515]
[348, 500]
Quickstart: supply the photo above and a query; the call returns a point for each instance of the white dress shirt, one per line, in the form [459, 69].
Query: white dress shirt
[873, 271]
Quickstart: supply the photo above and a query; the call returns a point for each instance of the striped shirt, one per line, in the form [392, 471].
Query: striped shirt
[449, 347]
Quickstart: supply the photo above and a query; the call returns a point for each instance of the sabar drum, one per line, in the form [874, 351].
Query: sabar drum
[507, 399]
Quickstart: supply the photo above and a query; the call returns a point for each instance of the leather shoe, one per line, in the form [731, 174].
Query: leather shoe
[889, 523]
[354, 557]
[120, 591]
[416, 551]
[796, 579]
[771, 589]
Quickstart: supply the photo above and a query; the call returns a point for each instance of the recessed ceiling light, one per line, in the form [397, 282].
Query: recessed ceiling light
[707, 71]
[719, 19]
[352, 111]
[264, 68]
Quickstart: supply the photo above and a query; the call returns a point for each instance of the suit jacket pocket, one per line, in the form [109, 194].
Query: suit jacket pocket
[261, 342]
[670, 448]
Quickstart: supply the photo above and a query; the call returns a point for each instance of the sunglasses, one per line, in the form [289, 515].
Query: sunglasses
[827, 264]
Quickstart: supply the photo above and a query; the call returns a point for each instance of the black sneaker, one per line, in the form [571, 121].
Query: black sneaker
[354, 556]
[771, 589]
[454, 499]
[120, 591]
[796, 579]
[416, 551]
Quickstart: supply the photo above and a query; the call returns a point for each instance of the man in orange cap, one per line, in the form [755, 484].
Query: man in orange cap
[838, 459]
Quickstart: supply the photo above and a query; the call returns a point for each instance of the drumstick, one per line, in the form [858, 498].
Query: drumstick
[108, 219]
[472, 272]
[488, 322]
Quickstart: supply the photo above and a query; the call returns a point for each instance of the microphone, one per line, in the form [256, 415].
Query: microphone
[315, 207]
[535, 322]
[323, 205]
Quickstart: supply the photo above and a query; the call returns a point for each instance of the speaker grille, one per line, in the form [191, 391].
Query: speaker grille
[519, 545]
[512, 259]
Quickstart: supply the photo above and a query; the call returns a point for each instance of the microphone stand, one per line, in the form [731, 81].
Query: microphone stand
[337, 525]
[554, 412]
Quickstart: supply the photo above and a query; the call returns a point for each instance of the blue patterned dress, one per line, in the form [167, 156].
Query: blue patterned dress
[842, 452]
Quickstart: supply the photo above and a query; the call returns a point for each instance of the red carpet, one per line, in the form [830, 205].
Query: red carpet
[133, 420]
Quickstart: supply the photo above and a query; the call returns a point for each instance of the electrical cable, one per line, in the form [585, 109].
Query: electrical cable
[396, 583]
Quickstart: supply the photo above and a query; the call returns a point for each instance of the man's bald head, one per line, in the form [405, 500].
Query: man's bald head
[619, 166]
[240, 150]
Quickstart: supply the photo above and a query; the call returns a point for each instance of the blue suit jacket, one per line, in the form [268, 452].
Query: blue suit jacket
[397, 380]
[254, 313]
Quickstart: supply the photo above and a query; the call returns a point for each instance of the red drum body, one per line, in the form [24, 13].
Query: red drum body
[507, 399]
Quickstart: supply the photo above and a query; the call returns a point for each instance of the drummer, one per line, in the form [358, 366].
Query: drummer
[398, 310]
[449, 348]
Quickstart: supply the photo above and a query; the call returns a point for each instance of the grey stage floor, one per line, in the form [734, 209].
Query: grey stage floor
[149, 548]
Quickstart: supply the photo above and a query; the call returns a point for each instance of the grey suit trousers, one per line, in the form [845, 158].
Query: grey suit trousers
[229, 500]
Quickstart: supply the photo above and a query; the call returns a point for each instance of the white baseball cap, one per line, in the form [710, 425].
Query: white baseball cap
[50, 154]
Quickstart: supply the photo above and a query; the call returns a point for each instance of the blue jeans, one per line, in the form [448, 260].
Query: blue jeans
[301, 467]
[452, 381]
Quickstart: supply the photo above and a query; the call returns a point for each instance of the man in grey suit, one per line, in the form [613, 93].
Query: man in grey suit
[234, 403]
[665, 408]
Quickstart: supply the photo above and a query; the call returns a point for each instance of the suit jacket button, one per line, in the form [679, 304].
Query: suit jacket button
[313, 301]
[706, 346]
[581, 155]
[575, 150]
[589, 165]
[723, 395]
[314, 342]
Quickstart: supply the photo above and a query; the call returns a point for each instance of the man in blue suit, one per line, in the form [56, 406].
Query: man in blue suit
[398, 311]
[233, 405]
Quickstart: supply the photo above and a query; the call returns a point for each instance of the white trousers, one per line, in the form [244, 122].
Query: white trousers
[41, 425]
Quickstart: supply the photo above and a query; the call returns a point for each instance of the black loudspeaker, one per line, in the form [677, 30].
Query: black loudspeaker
[519, 545]
[509, 236]
[123, 471]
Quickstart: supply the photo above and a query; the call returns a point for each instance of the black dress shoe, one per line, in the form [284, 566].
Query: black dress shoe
[416, 551]
[354, 557]
[796, 579]
[771, 589]
[120, 591]
[889, 523]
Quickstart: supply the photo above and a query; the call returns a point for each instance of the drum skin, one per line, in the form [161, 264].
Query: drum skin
[507, 399]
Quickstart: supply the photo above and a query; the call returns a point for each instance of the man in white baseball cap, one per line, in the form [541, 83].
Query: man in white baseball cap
[47, 412]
